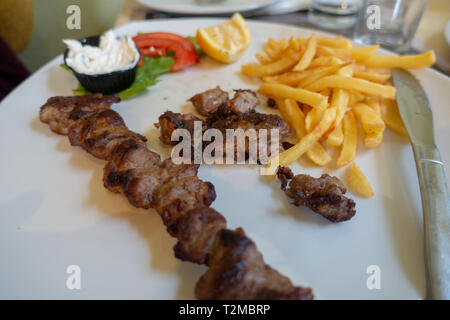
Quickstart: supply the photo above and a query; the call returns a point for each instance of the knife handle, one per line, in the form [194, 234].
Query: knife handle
[436, 215]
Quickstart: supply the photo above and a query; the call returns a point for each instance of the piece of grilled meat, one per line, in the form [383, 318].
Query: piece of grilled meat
[324, 195]
[243, 101]
[236, 113]
[208, 101]
[170, 121]
[237, 269]
[61, 112]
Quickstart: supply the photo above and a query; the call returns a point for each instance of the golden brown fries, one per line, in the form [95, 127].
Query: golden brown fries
[358, 183]
[290, 155]
[304, 96]
[408, 62]
[391, 116]
[291, 112]
[371, 122]
[358, 54]
[343, 82]
[323, 86]
[373, 76]
[348, 147]
[308, 55]
[336, 137]
[319, 73]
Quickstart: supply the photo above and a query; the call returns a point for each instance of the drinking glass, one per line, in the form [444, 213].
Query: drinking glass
[333, 14]
[391, 23]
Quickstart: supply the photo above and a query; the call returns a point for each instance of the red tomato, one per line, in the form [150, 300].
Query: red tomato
[185, 53]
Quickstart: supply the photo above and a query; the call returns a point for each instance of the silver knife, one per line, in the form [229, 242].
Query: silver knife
[416, 114]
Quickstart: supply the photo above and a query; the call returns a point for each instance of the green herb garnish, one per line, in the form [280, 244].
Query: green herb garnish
[200, 52]
[146, 75]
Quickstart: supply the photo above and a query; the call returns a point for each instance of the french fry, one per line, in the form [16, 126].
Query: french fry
[370, 120]
[358, 183]
[273, 68]
[339, 100]
[391, 117]
[325, 61]
[272, 53]
[345, 71]
[417, 61]
[374, 103]
[373, 140]
[289, 156]
[317, 153]
[329, 52]
[308, 55]
[326, 92]
[348, 147]
[359, 67]
[336, 137]
[373, 76]
[359, 54]
[289, 58]
[283, 91]
[295, 115]
[290, 78]
[372, 124]
[342, 82]
[282, 109]
[312, 118]
[278, 46]
[319, 73]
[262, 58]
[355, 97]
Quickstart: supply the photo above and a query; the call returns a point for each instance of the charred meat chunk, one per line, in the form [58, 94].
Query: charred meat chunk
[196, 232]
[61, 112]
[237, 271]
[243, 101]
[169, 121]
[324, 195]
[208, 101]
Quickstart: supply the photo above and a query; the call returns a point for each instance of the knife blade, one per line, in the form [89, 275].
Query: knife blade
[417, 116]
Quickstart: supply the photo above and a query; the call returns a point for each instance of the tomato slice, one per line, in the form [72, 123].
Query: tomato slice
[185, 53]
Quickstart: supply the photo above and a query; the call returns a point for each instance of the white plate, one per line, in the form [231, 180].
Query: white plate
[193, 8]
[55, 212]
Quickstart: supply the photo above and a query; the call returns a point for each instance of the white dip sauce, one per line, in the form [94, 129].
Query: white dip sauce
[112, 54]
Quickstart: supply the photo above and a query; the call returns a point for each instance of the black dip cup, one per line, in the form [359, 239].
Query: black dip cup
[106, 83]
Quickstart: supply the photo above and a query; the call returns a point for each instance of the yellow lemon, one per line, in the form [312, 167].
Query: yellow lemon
[227, 41]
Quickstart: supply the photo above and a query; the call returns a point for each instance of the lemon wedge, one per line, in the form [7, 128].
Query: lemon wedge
[227, 41]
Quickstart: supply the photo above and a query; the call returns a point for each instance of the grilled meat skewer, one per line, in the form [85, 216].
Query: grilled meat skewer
[236, 268]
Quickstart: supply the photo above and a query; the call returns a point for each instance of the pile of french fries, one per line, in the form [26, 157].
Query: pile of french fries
[323, 87]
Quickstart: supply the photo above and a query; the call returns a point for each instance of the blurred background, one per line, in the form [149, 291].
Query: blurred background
[31, 30]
